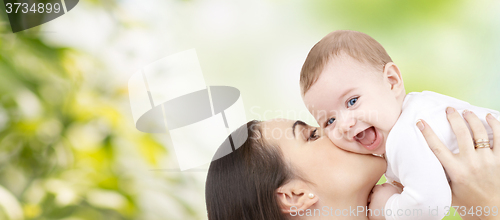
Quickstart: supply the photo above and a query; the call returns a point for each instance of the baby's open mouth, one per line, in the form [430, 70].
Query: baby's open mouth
[369, 138]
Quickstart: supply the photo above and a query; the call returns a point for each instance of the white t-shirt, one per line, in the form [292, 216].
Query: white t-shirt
[426, 193]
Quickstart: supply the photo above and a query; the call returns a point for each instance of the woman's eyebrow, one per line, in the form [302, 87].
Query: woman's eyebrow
[298, 122]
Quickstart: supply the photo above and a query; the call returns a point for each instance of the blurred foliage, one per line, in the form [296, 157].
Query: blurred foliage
[62, 136]
[383, 15]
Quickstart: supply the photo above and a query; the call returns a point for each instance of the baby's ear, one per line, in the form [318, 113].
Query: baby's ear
[294, 196]
[393, 76]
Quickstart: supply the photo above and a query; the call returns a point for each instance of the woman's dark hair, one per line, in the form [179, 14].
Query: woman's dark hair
[242, 184]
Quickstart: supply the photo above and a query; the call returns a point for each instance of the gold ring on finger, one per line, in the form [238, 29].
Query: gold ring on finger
[486, 145]
[482, 141]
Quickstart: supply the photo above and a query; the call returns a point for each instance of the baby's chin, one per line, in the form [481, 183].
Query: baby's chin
[380, 150]
[361, 150]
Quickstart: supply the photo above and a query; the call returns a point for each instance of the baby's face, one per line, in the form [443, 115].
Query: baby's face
[355, 104]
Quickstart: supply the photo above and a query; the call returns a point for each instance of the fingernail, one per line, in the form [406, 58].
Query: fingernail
[420, 125]
[490, 116]
[466, 112]
[450, 110]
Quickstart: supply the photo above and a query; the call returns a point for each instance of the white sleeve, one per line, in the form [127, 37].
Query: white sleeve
[426, 190]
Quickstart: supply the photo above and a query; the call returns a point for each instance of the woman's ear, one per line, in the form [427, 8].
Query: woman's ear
[295, 195]
[392, 75]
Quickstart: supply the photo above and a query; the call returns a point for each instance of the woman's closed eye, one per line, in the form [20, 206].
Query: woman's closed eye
[313, 136]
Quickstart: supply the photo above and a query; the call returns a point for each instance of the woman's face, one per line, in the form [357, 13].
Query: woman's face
[336, 174]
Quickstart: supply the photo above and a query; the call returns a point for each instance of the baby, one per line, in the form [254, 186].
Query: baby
[356, 93]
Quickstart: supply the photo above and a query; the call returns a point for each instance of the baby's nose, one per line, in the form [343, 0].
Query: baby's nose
[346, 125]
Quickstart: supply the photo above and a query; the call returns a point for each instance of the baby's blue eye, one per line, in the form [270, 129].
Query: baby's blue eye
[330, 121]
[352, 102]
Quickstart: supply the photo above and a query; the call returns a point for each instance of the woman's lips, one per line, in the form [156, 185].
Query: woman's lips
[369, 138]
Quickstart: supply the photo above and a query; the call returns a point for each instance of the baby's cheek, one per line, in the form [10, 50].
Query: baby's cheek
[336, 138]
[334, 135]
[330, 134]
[341, 142]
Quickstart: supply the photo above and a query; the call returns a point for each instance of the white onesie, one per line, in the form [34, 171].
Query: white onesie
[427, 193]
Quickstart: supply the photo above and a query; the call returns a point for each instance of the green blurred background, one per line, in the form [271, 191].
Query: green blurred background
[68, 145]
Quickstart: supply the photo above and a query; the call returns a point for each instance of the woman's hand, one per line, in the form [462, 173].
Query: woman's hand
[474, 173]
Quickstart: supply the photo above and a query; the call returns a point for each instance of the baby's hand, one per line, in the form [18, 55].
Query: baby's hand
[378, 198]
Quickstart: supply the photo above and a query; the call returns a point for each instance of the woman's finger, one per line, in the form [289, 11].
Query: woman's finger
[442, 153]
[477, 127]
[464, 138]
[495, 126]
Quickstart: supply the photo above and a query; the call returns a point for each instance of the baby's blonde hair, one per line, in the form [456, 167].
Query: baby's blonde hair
[358, 45]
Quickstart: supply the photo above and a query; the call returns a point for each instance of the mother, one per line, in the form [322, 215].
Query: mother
[285, 166]
[286, 170]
